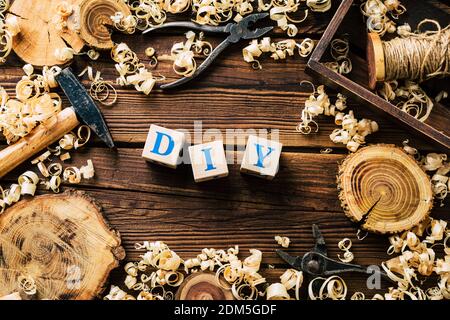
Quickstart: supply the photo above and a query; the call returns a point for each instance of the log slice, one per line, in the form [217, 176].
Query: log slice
[202, 286]
[62, 241]
[384, 189]
[39, 37]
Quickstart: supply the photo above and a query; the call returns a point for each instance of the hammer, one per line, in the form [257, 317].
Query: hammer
[83, 108]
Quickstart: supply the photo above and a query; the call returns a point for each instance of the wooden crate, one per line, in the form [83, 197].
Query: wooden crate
[355, 85]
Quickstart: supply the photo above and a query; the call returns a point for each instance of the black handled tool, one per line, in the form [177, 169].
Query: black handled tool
[316, 262]
[236, 31]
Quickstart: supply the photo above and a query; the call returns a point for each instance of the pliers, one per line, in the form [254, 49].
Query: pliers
[235, 31]
[316, 262]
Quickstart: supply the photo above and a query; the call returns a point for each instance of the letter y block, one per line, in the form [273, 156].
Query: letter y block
[163, 146]
[261, 157]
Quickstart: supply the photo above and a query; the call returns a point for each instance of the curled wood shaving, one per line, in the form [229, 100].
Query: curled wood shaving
[64, 54]
[118, 294]
[27, 285]
[183, 53]
[353, 132]
[358, 296]
[147, 13]
[131, 70]
[63, 11]
[160, 267]
[123, 23]
[379, 15]
[150, 52]
[277, 291]
[283, 241]
[26, 185]
[100, 90]
[8, 29]
[278, 50]
[339, 50]
[279, 13]
[333, 288]
[437, 165]
[416, 258]
[292, 279]
[345, 245]
[319, 5]
[410, 98]
[34, 104]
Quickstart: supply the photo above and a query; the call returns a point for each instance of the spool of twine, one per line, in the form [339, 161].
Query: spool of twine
[418, 56]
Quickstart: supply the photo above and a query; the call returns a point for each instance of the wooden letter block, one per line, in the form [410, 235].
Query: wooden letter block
[261, 157]
[208, 161]
[163, 146]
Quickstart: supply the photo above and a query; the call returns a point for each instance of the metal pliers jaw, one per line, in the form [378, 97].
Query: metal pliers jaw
[241, 30]
[236, 31]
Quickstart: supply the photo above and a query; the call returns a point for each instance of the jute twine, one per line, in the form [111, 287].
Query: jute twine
[420, 55]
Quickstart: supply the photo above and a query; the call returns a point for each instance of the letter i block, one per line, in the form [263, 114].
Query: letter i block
[208, 161]
[163, 146]
[261, 157]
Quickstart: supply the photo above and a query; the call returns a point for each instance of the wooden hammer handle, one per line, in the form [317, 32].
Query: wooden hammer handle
[42, 136]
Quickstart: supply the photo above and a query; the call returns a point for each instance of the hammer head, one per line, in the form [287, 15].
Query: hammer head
[85, 108]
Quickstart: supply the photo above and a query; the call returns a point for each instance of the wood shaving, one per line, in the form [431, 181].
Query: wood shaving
[353, 132]
[292, 279]
[333, 288]
[150, 13]
[279, 13]
[410, 98]
[183, 54]
[160, 267]
[147, 13]
[116, 293]
[416, 258]
[345, 245]
[28, 182]
[63, 11]
[277, 291]
[92, 54]
[379, 15]
[277, 50]
[319, 5]
[283, 241]
[8, 29]
[131, 70]
[27, 285]
[100, 90]
[34, 104]
[64, 54]
[358, 296]
[339, 50]
[439, 168]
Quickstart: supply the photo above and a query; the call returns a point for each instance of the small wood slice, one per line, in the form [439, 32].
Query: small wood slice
[62, 242]
[389, 184]
[95, 21]
[202, 286]
[39, 38]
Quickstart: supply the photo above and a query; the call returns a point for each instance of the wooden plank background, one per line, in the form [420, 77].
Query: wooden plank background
[149, 202]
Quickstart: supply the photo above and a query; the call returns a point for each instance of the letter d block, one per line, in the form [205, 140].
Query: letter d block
[261, 157]
[163, 146]
[208, 161]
